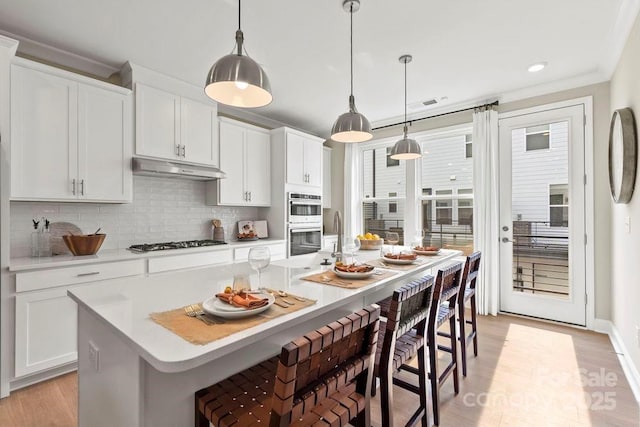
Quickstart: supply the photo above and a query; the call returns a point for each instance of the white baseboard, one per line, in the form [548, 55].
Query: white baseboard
[628, 367]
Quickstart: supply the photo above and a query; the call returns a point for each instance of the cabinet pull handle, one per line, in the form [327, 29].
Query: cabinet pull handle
[246, 196]
[184, 151]
[73, 186]
[178, 150]
[93, 273]
[249, 195]
[82, 187]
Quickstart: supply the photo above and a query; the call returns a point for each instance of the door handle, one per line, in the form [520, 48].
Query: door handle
[184, 151]
[506, 240]
[73, 186]
[82, 187]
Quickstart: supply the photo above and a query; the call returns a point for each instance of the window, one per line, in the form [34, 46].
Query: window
[390, 161]
[444, 208]
[384, 190]
[468, 148]
[559, 205]
[465, 206]
[446, 189]
[537, 138]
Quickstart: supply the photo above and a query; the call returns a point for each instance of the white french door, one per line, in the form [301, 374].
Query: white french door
[542, 215]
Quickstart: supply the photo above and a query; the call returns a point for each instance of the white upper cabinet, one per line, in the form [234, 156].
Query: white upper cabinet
[303, 154]
[245, 156]
[70, 139]
[173, 127]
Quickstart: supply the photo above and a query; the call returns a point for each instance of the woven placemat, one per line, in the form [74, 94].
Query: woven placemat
[197, 332]
[331, 278]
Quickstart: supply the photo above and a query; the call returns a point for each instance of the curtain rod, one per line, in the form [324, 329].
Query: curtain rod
[410, 122]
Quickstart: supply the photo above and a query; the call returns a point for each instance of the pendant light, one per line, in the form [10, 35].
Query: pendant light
[406, 148]
[238, 80]
[351, 126]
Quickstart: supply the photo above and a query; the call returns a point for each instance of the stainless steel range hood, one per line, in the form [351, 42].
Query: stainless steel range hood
[150, 167]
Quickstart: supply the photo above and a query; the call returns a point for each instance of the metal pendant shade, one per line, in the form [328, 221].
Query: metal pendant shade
[351, 126]
[238, 80]
[406, 148]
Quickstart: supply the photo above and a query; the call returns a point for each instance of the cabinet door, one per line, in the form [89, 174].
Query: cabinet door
[313, 162]
[157, 123]
[258, 167]
[295, 159]
[104, 145]
[46, 331]
[326, 177]
[43, 135]
[231, 190]
[199, 132]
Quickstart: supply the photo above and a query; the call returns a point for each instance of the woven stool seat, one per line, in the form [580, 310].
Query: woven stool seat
[407, 347]
[320, 379]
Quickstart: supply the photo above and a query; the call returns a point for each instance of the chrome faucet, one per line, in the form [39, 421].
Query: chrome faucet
[337, 227]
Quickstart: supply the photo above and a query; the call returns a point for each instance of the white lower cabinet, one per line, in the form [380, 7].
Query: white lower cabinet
[46, 331]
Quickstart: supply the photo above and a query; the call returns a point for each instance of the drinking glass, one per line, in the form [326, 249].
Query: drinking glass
[392, 238]
[259, 259]
[241, 283]
[350, 247]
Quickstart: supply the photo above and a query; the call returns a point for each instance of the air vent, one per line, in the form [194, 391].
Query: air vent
[421, 104]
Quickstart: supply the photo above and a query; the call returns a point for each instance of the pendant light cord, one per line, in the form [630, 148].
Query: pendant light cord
[239, 12]
[351, 41]
[405, 93]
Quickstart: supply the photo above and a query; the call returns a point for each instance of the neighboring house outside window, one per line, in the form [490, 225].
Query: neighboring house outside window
[465, 206]
[444, 208]
[468, 148]
[390, 161]
[537, 138]
[559, 205]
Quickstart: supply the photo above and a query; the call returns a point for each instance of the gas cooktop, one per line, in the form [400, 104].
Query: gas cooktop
[150, 247]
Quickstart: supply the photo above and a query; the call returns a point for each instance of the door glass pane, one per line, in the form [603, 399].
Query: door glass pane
[540, 206]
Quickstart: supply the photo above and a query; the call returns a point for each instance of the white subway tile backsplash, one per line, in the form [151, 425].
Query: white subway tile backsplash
[163, 209]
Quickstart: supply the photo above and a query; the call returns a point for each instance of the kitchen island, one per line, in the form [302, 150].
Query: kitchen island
[134, 372]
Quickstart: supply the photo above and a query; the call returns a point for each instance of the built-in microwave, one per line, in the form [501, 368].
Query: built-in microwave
[304, 240]
[304, 209]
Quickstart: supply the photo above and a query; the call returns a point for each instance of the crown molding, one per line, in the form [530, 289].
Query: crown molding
[62, 57]
[11, 45]
[625, 21]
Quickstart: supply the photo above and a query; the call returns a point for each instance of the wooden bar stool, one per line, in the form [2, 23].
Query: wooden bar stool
[468, 292]
[321, 378]
[445, 296]
[402, 338]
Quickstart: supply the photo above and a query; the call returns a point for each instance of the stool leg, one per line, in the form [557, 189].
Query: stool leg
[386, 397]
[422, 381]
[454, 353]
[474, 325]
[463, 338]
[433, 376]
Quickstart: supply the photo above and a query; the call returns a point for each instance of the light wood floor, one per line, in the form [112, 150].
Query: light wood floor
[527, 373]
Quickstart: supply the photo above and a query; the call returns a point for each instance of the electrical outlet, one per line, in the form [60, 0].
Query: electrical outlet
[94, 356]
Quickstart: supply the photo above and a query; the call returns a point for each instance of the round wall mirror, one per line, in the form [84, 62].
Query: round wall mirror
[622, 155]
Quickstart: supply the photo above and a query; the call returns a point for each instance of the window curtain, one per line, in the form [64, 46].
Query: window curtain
[486, 207]
[352, 218]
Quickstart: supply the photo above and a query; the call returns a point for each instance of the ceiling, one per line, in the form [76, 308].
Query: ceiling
[465, 50]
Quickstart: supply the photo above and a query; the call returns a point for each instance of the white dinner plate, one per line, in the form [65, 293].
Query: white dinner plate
[398, 261]
[427, 252]
[215, 307]
[349, 275]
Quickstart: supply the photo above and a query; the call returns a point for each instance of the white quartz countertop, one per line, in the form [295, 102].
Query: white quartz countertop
[30, 263]
[124, 305]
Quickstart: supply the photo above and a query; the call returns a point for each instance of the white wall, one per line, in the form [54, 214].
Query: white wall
[625, 247]
[163, 209]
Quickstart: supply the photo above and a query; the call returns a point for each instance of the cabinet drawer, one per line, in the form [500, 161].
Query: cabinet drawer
[168, 263]
[278, 252]
[44, 279]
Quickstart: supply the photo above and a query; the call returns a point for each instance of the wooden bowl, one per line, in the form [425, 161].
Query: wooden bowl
[369, 245]
[84, 244]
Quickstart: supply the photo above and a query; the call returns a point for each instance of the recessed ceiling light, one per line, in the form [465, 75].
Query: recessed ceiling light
[537, 67]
